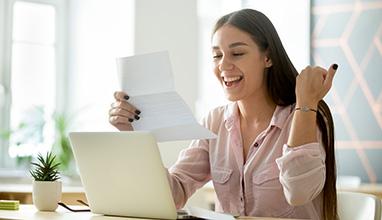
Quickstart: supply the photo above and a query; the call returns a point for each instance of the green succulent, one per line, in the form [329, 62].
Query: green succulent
[46, 169]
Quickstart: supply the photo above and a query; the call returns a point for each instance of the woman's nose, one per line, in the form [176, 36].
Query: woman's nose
[225, 64]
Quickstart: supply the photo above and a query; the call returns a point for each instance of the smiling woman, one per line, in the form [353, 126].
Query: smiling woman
[274, 151]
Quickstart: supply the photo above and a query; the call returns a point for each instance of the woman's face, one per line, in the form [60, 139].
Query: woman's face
[238, 63]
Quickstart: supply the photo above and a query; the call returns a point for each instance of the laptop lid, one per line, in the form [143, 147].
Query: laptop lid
[123, 174]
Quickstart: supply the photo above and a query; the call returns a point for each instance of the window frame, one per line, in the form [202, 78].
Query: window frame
[61, 42]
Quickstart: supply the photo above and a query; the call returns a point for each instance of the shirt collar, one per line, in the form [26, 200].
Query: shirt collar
[231, 114]
[281, 113]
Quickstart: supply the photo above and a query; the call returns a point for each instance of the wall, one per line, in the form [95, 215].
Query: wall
[170, 25]
[349, 33]
[98, 32]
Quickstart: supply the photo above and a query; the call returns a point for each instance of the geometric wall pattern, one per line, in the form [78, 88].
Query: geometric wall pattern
[349, 32]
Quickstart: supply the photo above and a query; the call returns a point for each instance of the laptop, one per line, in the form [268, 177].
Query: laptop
[123, 175]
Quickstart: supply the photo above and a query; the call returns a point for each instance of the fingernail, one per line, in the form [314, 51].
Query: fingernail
[126, 97]
[137, 117]
[137, 112]
[131, 120]
[335, 66]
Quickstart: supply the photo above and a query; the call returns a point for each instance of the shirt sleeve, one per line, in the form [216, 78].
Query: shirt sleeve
[302, 172]
[190, 172]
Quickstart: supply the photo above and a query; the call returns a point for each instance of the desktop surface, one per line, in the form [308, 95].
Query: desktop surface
[31, 213]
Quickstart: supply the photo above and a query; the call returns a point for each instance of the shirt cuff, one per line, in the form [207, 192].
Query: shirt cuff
[300, 156]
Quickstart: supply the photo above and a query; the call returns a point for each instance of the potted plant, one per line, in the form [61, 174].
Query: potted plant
[46, 185]
[33, 134]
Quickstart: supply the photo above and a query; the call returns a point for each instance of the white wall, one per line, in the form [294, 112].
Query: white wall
[99, 31]
[171, 25]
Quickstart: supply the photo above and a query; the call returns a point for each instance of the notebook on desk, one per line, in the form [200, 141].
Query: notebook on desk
[123, 175]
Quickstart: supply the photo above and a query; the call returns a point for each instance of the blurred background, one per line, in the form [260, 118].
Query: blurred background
[58, 72]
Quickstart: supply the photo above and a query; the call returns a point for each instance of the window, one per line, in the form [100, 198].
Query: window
[33, 57]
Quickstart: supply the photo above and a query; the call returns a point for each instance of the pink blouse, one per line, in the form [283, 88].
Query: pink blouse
[275, 180]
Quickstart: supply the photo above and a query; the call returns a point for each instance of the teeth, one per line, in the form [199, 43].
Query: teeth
[231, 79]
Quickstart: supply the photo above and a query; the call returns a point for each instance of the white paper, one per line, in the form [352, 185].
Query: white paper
[208, 214]
[148, 80]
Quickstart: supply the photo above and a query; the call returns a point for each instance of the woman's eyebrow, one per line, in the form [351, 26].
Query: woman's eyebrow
[236, 44]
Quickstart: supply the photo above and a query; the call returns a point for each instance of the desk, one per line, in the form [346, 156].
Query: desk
[374, 189]
[30, 212]
[23, 193]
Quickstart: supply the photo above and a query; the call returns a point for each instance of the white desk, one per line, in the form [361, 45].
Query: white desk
[30, 212]
[23, 193]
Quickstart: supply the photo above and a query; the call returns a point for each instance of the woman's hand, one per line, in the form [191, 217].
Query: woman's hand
[122, 113]
[312, 84]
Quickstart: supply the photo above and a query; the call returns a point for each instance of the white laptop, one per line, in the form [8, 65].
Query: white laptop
[123, 175]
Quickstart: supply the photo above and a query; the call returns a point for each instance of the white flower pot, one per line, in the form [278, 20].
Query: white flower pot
[46, 195]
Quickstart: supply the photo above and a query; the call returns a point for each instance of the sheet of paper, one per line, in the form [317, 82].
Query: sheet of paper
[208, 214]
[148, 80]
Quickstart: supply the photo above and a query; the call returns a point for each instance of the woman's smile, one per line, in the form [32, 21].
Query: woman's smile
[231, 82]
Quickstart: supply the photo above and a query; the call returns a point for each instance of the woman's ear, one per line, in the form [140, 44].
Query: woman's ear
[268, 62]
[267, 59]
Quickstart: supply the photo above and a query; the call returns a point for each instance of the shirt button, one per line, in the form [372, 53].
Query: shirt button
[256, 144]
[241, 198]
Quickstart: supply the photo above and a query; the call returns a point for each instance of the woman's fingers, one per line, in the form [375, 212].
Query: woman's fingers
[327, 84]
[121, 102]
[123, 113]
[331, 72]
[126, 106]
[121, 96]
[120, 123]
[119, 120]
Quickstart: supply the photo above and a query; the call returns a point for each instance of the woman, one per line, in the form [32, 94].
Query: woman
[274, 154]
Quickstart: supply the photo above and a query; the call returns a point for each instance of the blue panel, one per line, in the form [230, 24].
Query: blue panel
[349, 164]
[363, 32]
[314, 21]
[331, 2]
[335, 25]
[340, 131]
[373, 74]
[359, 110]
[375, 158]
[363, 119]
[371, 1]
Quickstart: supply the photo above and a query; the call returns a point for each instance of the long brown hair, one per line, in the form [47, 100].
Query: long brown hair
[281, 82]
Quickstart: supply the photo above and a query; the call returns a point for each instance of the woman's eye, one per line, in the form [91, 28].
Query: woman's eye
[217, 56]
[237, 54]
